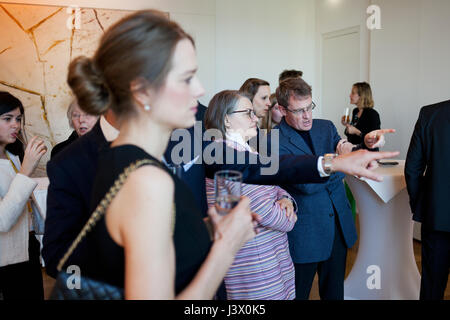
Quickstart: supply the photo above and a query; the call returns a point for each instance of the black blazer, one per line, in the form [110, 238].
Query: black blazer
[60, 146]
[429, 153]
[369, 121]
[71, 173]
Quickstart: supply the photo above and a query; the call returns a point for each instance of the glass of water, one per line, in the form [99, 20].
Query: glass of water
[227, 190]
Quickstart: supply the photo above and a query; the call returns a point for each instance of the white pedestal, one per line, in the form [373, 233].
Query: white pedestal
[385, 268]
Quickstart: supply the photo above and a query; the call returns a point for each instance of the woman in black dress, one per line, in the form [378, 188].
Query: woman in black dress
[152, 241]
[364, 118]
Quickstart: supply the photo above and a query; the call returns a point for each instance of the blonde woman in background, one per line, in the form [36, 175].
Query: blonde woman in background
[364, 117]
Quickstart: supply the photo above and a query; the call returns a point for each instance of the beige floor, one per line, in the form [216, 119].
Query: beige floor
[48, 282]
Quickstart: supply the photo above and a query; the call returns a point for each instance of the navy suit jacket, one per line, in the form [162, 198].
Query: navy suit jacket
[427, 171]
[312, 238]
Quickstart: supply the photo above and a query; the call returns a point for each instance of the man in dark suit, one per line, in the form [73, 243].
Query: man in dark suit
[427, 177]
[325, 227]
[71, 173]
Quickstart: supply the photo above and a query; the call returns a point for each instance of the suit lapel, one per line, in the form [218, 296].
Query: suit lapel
[295, 139]
[317, 137]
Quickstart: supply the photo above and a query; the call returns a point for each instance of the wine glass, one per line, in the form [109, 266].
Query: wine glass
[227, 190]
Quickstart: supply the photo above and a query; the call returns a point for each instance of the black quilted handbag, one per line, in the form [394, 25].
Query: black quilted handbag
[92, 289]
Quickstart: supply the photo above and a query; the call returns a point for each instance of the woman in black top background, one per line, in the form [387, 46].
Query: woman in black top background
[364, 118]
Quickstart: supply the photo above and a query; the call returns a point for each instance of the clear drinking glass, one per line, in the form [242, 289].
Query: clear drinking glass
[227, 190]
[346, 116]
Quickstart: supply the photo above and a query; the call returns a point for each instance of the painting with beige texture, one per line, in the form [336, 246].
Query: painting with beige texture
[36, 45]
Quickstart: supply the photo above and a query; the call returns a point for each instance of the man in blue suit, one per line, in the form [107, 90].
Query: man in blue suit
[325, 226]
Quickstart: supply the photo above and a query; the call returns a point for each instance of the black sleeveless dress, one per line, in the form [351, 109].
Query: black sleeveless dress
[106, 260]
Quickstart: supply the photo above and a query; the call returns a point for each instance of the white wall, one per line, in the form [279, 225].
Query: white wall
[410, 65]
[333, 16]
[406, 62]
[434, 76]
[395, 69]
[261, 38]
[202, 29]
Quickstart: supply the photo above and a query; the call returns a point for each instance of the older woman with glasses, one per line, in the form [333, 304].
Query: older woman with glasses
[263, 268]
[80, 121]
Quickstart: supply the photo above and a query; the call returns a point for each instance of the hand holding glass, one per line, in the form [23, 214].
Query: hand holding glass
[346, 116]
[227, 189]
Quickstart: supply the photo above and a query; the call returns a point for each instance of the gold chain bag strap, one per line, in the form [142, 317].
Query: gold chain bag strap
[92, 289]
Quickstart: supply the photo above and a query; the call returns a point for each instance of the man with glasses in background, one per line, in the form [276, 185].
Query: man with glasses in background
[325, 227]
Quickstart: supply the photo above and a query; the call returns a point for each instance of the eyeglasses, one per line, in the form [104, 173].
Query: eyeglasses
[303, 110]
[250, 113]
[77, 116]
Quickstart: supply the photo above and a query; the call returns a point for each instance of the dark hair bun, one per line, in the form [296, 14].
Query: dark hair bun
[88, 85]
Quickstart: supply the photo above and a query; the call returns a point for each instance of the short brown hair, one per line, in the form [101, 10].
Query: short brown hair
[296, 87]
[138, 47]
[250, 87]
[221, 104]
[365, 94]
[290, 74]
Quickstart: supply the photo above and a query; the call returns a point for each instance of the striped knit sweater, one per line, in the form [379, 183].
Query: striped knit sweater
[262, 268]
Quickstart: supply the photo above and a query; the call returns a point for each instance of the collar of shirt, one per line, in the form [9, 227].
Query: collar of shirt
[237, 138]
[108, 130]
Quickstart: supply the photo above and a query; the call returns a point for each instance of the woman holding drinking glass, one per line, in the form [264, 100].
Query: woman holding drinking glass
[263, 268]
[20, 267]
[152, 241]
[364, 117]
